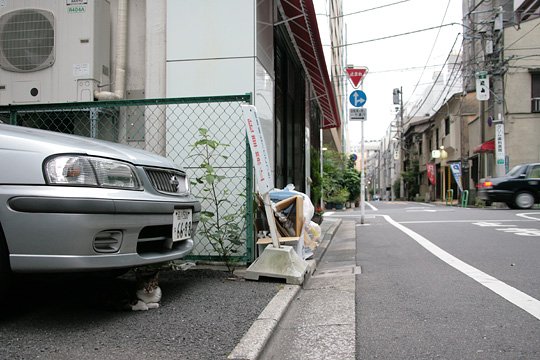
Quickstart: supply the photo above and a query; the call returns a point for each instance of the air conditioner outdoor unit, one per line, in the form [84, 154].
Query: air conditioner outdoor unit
[53, 50]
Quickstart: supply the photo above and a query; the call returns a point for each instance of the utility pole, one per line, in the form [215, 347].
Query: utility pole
[498, 90]
[398, 100]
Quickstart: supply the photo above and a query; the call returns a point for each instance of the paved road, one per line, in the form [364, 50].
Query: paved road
[415, 299]
[203, 315]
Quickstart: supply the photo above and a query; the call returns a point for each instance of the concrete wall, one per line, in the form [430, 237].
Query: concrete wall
[217, 48]
[522, 127]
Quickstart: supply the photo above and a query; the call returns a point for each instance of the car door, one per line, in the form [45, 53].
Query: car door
[533, 180]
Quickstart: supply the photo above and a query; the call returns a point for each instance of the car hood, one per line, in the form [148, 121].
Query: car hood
[49, 142]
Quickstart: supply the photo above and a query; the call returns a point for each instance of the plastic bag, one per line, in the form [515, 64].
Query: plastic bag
[287, 192]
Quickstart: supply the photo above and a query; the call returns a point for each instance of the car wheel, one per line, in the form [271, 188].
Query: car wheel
[524, 200]
[5, 270]
[511, 205]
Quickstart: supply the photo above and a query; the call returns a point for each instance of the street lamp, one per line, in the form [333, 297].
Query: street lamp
[444, 155]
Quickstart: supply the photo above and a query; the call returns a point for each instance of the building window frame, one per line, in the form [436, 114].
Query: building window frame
[535, 91]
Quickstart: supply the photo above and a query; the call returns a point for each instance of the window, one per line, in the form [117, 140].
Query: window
[535, 172]
[447, 125]
[535, 96]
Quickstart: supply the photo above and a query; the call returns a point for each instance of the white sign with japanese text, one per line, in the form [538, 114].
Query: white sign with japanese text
[259, 152]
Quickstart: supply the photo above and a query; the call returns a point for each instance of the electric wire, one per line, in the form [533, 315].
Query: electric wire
[430, 53]
[370, 9]
[438, 75]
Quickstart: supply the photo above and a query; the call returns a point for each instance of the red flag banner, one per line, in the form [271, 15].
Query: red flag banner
[431, 173]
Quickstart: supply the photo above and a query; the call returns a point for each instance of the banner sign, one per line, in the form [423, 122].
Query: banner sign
[259, 152]
[456, 171]
[431, 173]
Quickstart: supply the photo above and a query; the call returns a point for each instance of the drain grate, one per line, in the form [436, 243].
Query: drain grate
[342, 271]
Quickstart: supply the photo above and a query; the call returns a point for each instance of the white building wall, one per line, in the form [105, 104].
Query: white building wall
[217, 48]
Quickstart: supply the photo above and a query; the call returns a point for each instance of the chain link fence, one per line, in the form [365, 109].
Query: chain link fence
[168, 127]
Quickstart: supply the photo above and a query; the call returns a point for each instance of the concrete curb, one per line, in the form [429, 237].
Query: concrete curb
[255, 339]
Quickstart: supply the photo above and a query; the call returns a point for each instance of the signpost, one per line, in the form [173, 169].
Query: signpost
[358, 98]
[482, 86]
[500, 156]
[358, 114]
[356, 74]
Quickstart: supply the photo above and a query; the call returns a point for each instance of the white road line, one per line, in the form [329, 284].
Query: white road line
[515, 296]
[456, 221]
[371, 206]
[526, 215]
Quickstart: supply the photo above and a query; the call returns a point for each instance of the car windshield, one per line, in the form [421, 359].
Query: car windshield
[516, 170]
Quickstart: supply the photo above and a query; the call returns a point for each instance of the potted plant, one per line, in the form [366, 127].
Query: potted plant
[338, 198]
[318, 215]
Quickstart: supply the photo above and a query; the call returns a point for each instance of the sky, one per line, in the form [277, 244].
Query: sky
[407, 61]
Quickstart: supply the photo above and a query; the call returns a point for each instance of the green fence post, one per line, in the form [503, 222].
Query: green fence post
[464, 198]
[13, 117]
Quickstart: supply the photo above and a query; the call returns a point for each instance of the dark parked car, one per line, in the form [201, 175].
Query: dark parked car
[519, 188]
[70, 203]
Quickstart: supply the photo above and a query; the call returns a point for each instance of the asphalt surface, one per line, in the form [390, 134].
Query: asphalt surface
[204, 313]
[412, 305]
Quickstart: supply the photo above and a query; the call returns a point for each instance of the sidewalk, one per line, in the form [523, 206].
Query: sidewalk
[315, 320]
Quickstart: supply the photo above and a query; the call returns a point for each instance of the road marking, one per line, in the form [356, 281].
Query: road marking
[521, 231]
[371, 206]
[491, 224]
[525, 215]
[454, 221]
[515, 296]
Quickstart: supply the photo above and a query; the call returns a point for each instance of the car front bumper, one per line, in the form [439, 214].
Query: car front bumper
[56, 229]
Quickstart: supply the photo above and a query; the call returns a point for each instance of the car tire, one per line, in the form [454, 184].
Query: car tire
[524, 200]
[6, 278]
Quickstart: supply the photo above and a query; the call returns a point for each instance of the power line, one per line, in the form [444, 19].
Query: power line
[430, 53]
[370, 9]
[397, 35]
[437, 79]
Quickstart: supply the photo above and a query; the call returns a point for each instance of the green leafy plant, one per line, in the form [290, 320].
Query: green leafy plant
[223, 226]
[351, 181]
[411, 178]
[341, 181]
[316, 178]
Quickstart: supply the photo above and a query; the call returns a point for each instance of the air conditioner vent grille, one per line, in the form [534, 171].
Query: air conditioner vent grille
[26, 40]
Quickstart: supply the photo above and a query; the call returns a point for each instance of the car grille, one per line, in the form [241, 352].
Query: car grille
[167, 181]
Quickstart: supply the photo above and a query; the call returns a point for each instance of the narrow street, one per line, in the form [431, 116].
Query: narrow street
[428, 282]
[416, 297]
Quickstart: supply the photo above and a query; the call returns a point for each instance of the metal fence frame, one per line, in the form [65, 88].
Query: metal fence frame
[249, 254]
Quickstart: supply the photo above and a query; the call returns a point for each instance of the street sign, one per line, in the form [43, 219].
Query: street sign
[358, 98]
[482, 86]
[359, 114]
[356, 74]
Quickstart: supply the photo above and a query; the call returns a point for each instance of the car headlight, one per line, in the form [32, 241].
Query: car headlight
[90, 171]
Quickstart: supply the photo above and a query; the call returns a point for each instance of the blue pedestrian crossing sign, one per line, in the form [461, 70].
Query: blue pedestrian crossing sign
[358, 98]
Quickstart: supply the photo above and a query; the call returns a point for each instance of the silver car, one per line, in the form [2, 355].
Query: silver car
[70, 203]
